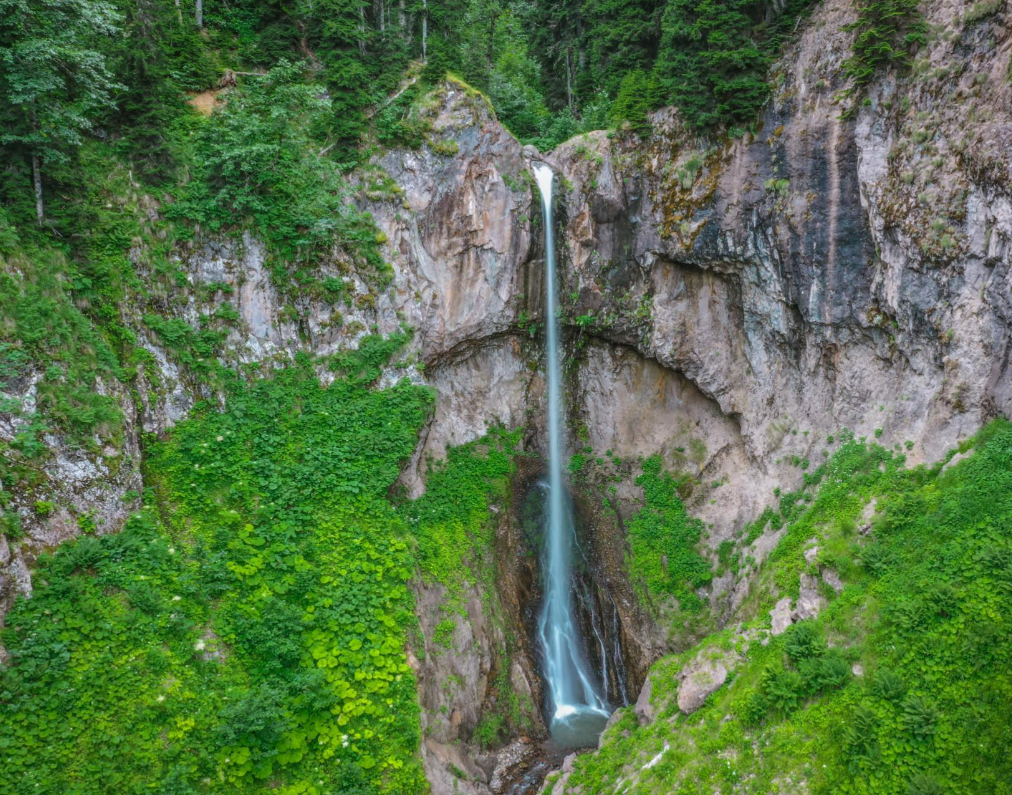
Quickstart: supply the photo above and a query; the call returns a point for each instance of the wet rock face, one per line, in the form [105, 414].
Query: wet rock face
[823, 273]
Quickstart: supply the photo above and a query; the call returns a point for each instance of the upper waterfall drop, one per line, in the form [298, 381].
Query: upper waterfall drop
[578, 709]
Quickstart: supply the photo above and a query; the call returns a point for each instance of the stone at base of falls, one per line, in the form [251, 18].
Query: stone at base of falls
[578, 727]
[644, 709]
[450, 770]
[564, 773]
[700, 679]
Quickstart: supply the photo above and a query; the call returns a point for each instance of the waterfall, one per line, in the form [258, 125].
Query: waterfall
[578, 710]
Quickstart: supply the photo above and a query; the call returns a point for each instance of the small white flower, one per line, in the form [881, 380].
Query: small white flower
[177, 598]
[221, 438]
[160, 699]
[172, 550]
[199, 645]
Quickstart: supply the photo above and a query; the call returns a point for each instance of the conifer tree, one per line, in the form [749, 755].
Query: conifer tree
[53, 79]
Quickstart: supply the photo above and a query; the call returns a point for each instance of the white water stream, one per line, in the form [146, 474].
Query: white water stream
[578, 709]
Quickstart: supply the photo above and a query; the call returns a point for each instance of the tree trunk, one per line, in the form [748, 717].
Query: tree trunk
[361, 19]
[179, 12]
[37, 179]
[569, 79]
[490, 53]
[200, 14]
[425, 26]
[382, 17]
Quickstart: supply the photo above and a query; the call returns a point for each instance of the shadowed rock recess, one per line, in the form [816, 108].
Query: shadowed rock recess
[728, 306]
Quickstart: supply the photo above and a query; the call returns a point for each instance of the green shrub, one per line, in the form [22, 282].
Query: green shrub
[922, 784]
[487, 732]
[638, 94]
[981, 10]
[888, 685]
[829, 672]
[886, 33]
[255, 160]
[804, 641]
[860, 738]
[663, 539]
[877, 559]
[919, 716]
[10, 526]
[784, 689]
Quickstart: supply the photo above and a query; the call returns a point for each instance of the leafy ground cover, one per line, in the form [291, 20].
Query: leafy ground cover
[246, 631]
[901, 686]
[663, 540]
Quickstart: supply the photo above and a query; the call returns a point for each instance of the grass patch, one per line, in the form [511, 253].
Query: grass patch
[925, 613]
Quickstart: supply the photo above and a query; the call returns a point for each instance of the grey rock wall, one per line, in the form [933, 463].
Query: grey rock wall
[755, 295]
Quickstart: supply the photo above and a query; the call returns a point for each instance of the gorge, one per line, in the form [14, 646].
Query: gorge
[651, 457]
[578, 710]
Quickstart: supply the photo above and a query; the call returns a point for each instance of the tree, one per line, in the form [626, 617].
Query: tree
[515, 80]
[638, 94]
[52, 80]
[622, 35]
[712, 62]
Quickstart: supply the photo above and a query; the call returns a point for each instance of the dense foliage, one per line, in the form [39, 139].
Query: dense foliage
[255, 157]
[887, 31]
[120, 69]
[663, 540]
[900, 686]
[714, 57]
[246, 631]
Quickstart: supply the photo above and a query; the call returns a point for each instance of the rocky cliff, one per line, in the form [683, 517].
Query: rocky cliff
[730, 305]
[845, 266]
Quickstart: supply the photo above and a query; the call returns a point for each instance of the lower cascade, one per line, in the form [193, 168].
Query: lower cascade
[577, 708]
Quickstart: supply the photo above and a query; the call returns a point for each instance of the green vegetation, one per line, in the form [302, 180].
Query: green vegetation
[301, 93]
[714, 57]
[887, 32]
[451, 520]
[901, 685]
[663, 541]
[255, 159]
[54, 81]
[246, 630]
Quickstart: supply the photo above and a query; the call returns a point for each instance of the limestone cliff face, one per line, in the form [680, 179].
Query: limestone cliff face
[737, 303]
[458, 234]
[823, 273]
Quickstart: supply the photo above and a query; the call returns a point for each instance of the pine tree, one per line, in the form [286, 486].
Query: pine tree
[621, 36]
[341, 44]
[711, 62]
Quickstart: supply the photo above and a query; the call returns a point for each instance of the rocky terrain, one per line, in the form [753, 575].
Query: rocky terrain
[728, 305]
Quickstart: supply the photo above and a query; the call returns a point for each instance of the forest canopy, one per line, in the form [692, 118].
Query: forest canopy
[121, 70]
